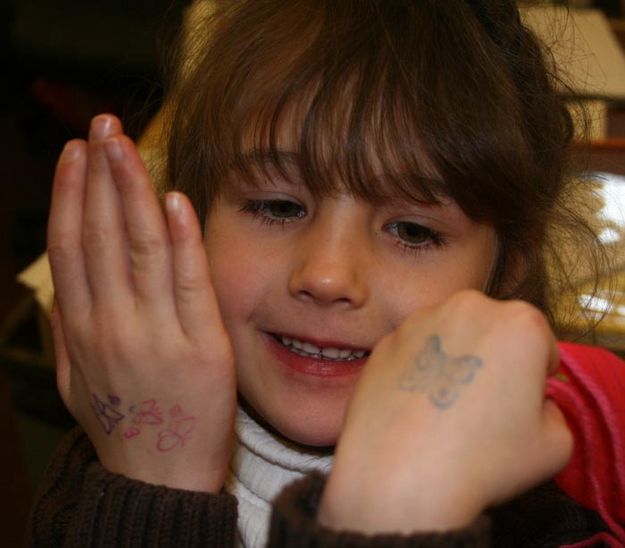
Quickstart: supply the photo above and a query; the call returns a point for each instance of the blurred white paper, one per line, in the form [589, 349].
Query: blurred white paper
[38, 278]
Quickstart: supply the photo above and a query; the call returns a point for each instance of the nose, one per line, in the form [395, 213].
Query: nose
[330, 268]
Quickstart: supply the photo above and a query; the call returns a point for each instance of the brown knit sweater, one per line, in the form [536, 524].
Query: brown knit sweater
[81, 505]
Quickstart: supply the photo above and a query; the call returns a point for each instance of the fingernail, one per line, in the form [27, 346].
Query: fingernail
[101, 127]
[113, 150]
[172, 201]
[71, 151]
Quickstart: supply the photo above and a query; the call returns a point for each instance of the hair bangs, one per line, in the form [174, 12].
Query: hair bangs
[330, 103]
[351, 105]
[316, 134]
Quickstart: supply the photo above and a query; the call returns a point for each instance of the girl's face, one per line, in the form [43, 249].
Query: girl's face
[308, 286]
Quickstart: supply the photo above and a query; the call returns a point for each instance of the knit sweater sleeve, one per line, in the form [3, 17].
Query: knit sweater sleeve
[80, 504]
[293, 523]
[544, 517]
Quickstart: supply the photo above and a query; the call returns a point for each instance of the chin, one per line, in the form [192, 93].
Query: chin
[311, 432]
[305, 424]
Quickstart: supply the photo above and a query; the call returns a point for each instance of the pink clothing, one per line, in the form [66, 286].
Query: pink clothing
[589, 388]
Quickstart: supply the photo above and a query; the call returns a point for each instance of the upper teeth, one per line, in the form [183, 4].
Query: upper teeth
[308, 349]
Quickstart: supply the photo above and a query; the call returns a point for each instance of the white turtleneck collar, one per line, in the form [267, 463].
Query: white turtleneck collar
[263, 464]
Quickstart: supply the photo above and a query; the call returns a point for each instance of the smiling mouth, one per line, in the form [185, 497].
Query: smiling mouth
[328, 353]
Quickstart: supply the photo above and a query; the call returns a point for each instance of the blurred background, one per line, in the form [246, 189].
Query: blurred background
[63, 61]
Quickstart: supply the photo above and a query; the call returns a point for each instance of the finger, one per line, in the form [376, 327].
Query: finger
[558, 439]
[148, 237]
[65, 229]
[104, 240]
[195, 300]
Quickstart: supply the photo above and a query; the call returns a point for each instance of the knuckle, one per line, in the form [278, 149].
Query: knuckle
[528, 317]
[146, 244]
[187, 288]
[61, 252]
[95, 238]
[145, 251]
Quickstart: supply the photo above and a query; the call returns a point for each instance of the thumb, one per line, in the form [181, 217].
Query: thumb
[63, 368]
[558, 438]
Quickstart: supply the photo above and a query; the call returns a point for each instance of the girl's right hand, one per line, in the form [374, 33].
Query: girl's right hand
[143, 360]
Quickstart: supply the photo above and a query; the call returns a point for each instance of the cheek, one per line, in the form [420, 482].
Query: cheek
[232, 281]
[243, 277]
[409, 289]
[472, 264]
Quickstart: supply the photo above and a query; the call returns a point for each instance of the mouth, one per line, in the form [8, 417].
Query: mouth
[317, 358]
[329, 351]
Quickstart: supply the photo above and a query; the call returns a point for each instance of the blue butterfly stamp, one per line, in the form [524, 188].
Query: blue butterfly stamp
[439, 375]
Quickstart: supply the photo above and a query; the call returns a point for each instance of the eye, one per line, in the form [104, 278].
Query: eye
[413, 233]
[415, 236]
[275, 211]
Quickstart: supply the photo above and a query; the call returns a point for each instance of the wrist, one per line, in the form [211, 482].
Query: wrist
[379, 509]
[200, 472]
[172, 478]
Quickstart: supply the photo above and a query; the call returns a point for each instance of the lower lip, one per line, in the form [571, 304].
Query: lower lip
[314, 366]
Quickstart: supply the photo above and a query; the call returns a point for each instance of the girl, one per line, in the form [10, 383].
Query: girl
[374, 183]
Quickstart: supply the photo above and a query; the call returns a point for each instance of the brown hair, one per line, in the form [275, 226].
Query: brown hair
[421, 97]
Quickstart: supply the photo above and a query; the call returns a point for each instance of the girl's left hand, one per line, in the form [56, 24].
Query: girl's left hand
[448, 418]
